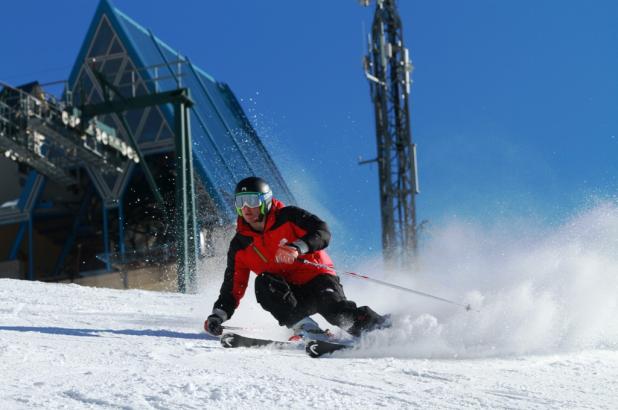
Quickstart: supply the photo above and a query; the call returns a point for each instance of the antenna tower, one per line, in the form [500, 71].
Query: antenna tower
[388, 69]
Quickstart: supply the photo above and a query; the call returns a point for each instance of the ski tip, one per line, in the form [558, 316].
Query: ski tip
[229, 340]
[318, 348]
[313, 349]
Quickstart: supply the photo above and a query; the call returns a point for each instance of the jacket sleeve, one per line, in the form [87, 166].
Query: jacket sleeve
[316, 233]
[235, 280]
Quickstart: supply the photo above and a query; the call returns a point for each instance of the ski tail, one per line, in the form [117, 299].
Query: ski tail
[231, 340]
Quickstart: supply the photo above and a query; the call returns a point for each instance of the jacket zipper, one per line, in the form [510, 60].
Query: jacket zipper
[259, 253]
[262, 257]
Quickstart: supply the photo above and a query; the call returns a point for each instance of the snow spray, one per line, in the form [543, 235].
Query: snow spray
[540, 290]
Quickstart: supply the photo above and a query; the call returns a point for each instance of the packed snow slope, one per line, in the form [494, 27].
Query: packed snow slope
[543, 334]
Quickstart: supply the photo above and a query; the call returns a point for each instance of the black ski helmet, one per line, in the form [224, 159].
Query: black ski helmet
[258, 186]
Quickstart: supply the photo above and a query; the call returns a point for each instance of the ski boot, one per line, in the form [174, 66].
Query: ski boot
[366, 320]
[307, 329]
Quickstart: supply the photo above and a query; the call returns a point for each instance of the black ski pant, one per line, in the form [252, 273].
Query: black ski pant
[290, 303]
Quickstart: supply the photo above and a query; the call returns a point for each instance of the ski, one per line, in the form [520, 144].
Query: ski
[229, 340]
[317, 348]
[314, 348]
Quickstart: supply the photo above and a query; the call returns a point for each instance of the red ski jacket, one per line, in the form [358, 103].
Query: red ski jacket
[252, 251]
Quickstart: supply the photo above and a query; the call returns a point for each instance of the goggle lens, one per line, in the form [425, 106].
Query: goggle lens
[252, 200]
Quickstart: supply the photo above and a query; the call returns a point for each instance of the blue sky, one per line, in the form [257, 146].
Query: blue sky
[514, 104]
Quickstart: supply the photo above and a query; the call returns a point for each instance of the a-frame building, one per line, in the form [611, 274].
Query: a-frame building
[106, 223]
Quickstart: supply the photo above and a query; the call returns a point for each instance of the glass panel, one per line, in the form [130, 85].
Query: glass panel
[133, 118]
[151, 127]
[209, 163]
[127, 80]
[171, 83]
[244, 135]
[166, 132]
[116, 47]
[140, 89]
[175, 73]
[224, 144]
[101, 40]
[145, 48]
[110, 180]
[110, 68]
[124, 84]
[216, 129]
[83, 87]
[95, 97]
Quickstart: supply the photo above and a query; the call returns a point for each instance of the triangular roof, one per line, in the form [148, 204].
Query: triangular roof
[226, 148]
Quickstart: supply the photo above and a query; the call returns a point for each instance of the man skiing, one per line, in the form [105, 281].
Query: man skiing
[284, 247]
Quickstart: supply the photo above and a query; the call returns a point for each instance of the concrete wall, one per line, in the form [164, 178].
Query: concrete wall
[161, 278]
[45, 251]
[12, 269]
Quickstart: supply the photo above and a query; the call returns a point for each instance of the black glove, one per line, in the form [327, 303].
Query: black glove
[213, 325]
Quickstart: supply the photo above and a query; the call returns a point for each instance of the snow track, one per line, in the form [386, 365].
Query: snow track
[65, 346]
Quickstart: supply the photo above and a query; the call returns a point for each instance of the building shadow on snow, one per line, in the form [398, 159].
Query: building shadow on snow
[100, 332]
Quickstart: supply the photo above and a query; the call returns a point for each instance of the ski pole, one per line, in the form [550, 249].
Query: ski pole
[390, 285]
[238, 328]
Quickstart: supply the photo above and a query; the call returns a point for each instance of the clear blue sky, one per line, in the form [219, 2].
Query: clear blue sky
[514, 104]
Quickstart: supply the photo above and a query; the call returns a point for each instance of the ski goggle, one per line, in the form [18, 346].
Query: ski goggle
[252, 200]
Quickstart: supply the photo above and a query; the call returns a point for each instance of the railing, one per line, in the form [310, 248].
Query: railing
[154, 76]
[48, 134]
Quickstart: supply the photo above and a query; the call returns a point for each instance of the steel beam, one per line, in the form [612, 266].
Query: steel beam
[186, 232]
[108, 265]
[186, 227]
[134, 103]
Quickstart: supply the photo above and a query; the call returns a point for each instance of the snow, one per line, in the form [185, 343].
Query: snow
[66, 346]
[543, 335]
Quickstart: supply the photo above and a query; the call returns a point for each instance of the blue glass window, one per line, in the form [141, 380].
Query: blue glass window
[102, 40]
[226, 148]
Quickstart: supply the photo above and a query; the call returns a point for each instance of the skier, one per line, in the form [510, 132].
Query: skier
[283, 245]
